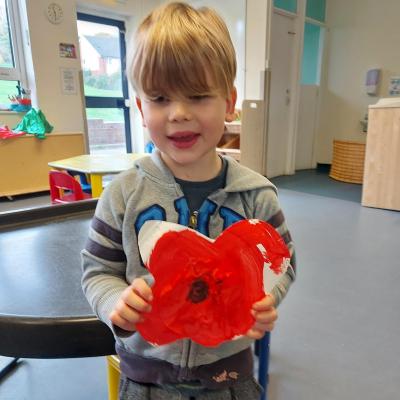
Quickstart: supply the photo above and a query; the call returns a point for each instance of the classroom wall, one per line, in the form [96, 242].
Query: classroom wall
[42, 38]
[66, 111]
[234, 15]
[257, 36]
[63, 111]
[11, 119]
[362, 34]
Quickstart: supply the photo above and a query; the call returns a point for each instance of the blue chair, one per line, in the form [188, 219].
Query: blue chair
[86, 187]
[262, 351]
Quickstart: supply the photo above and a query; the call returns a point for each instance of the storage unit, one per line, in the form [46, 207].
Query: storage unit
[382, 161]
[23, 160]
[230, 141]
[253, 146]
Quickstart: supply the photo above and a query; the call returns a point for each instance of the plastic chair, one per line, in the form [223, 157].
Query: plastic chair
[261, 350]
[64, 188]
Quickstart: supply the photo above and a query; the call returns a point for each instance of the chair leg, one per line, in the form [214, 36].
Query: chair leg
[263, 364]
[113, 374]
[9, 367]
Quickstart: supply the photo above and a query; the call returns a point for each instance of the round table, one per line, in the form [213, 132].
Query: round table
[43, 312]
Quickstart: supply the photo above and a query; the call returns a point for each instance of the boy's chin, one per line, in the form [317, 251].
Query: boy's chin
[189, 157]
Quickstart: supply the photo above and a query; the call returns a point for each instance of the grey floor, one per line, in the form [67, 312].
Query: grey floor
[338, 333]
[24, 201]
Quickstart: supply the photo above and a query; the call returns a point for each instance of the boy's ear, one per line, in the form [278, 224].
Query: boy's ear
[139, 106]
[230, 106]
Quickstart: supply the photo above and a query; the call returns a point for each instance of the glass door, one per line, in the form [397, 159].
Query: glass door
[103, 60]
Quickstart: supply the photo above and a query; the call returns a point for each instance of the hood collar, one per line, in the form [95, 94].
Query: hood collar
[239, 178]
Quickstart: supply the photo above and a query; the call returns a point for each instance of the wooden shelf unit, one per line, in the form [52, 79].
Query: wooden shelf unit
[23, 160]
[230, 142]
[381, 186]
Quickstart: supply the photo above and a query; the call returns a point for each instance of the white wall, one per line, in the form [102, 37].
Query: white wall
[234, 15]
[10, 119]
[42, 39]
[66, 112]
[256, 53]
[362, 34]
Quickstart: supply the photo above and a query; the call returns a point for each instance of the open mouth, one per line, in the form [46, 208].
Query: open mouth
[184, 139]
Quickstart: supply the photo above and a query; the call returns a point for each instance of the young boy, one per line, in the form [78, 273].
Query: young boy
[183, 71]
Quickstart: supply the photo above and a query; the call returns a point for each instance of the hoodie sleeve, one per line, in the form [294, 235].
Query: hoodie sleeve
[267, 208]
[103, 258]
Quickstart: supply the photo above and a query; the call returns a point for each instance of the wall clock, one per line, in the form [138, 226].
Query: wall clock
[54, 13]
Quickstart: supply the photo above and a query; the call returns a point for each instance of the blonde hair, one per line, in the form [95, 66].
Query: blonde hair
[185, 51]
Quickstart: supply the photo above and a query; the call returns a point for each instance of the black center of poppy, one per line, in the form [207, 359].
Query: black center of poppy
[198, 291]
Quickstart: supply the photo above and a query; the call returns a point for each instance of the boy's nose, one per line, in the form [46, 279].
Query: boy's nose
[179, 111]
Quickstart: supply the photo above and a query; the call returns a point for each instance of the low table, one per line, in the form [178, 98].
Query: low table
[43, 311]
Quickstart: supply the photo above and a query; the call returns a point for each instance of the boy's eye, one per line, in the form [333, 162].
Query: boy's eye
[199, 97]
[159, 99]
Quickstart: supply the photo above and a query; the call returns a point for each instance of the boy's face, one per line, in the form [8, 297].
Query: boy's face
[187, 130]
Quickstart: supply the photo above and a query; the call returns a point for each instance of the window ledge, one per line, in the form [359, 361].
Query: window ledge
[4, 112]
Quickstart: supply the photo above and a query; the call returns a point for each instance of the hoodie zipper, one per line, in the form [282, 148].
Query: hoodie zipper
[193, 220]
[192, 225]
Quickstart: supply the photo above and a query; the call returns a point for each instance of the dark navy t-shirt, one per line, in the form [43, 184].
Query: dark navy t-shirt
[197, 192]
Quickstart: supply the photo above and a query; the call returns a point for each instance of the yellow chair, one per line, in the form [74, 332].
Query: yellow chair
[113, 373]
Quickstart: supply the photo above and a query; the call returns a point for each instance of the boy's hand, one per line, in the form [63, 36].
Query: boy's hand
[134, 301]
[265, 315]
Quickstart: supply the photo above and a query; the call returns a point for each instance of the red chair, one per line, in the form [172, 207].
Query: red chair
[65, 189]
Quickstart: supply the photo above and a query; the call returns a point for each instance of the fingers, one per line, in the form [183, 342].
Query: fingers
[258, 334]
[266, 302]
[265, 315]
[262, 325]
[134, 301]
[122, 323]
[140, 287]
[138, 296]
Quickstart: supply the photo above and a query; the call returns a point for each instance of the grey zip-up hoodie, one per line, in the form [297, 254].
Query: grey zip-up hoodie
[111, 258]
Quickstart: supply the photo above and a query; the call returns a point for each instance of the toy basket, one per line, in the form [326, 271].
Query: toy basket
[348, 161]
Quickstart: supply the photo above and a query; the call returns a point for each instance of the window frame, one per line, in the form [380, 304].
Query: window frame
[113, 102]
[18, 72]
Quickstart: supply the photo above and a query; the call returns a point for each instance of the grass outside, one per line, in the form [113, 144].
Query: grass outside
[92, 91]
[107, 114]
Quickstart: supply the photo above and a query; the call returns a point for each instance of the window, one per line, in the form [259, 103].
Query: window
[287, 5]
[11, 56]
[102, 50]
[312, 53]
[316, 9]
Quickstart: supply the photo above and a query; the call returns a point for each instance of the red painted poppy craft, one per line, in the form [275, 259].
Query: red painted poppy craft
[204, 289]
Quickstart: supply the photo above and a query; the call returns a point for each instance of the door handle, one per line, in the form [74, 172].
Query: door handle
[287, 97]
